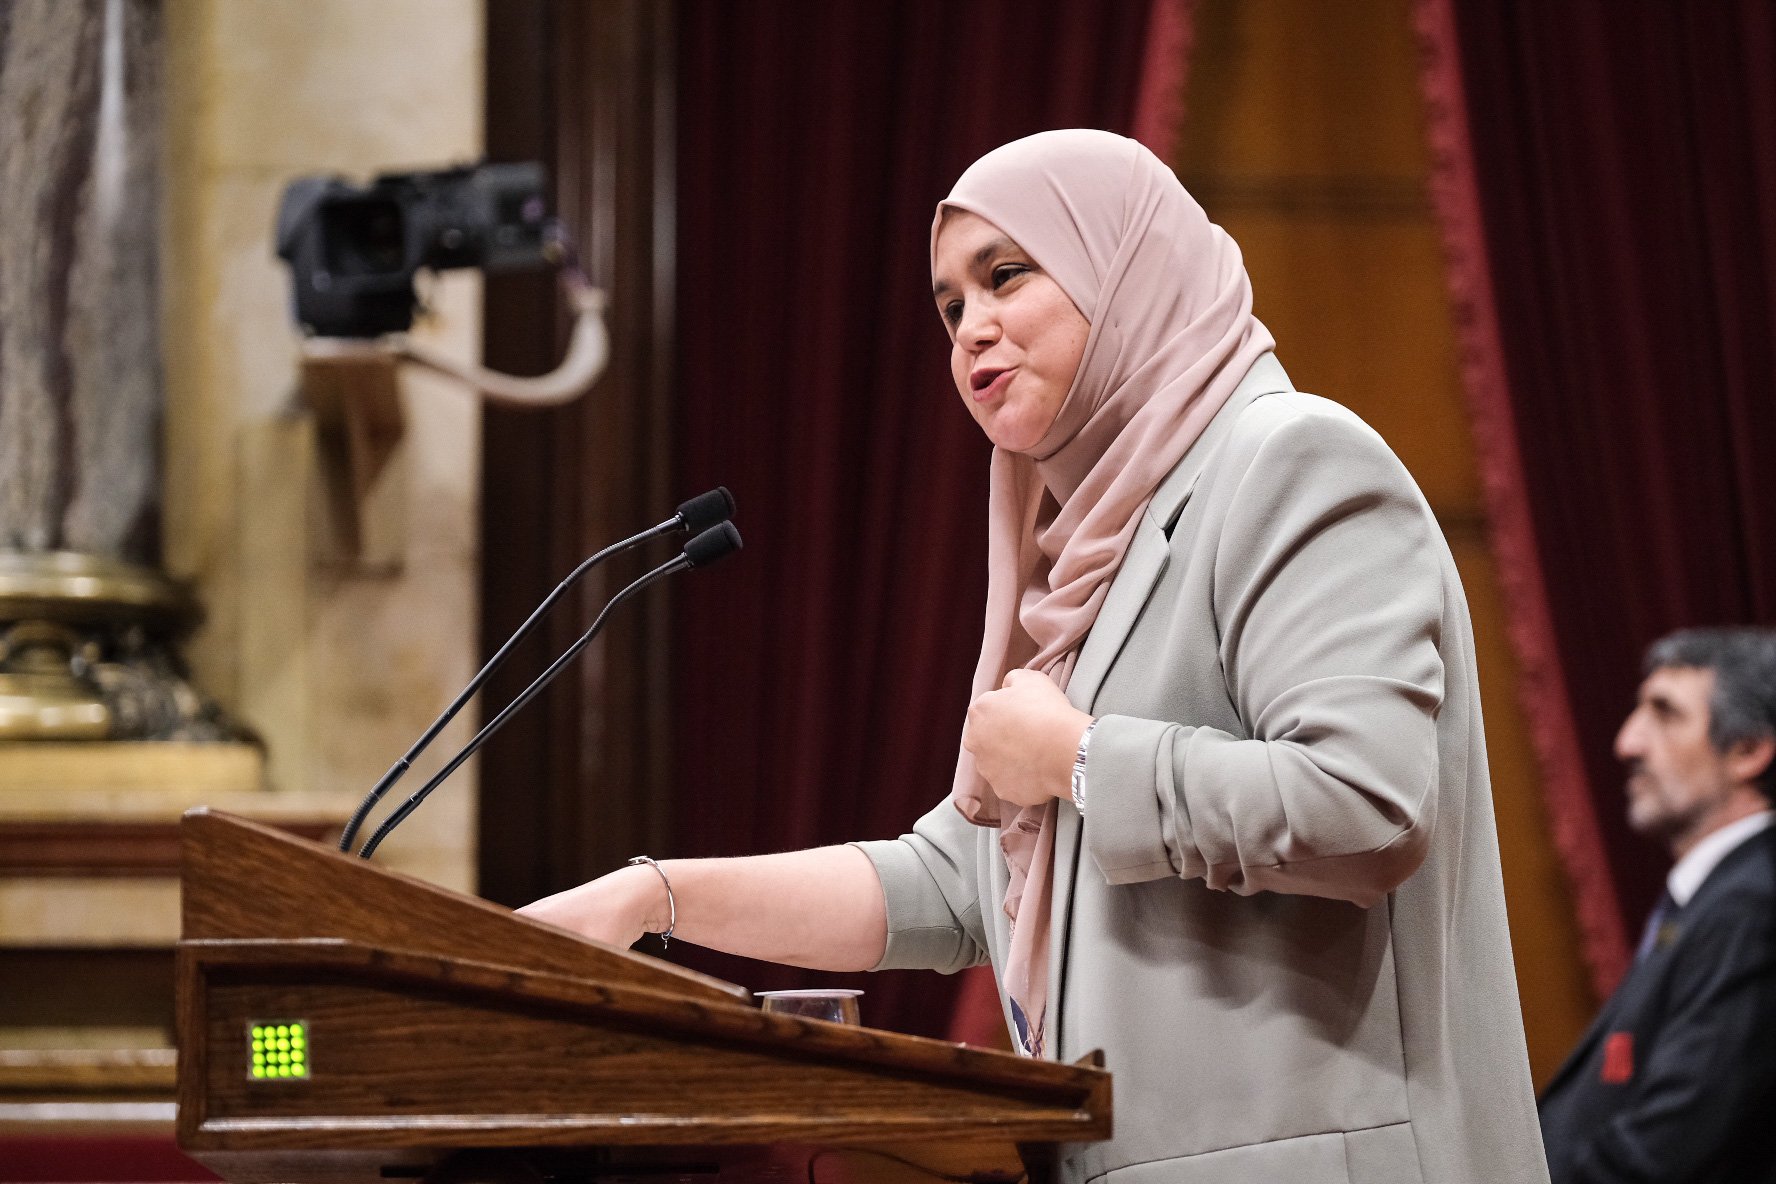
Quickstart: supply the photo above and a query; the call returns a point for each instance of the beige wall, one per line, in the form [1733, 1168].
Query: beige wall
[338, 664]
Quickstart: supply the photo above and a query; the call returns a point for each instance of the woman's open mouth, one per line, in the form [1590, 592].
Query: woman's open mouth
[990, 383]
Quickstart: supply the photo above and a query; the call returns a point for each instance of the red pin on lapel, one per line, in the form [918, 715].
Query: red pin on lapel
[1618, 1058]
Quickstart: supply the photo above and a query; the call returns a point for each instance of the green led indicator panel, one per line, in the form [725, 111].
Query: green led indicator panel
[279, 1050]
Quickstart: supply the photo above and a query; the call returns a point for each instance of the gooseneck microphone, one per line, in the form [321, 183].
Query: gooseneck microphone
[715, 543]
[696, 516]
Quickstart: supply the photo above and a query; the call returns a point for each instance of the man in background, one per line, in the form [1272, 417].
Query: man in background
[1676, 1079]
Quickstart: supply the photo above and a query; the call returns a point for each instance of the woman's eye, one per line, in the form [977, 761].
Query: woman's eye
[952, 313]
[1006, 272]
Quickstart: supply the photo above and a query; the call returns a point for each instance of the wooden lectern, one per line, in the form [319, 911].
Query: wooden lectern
[341, 1022]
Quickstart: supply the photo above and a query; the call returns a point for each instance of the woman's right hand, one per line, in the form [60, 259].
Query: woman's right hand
[616, 909]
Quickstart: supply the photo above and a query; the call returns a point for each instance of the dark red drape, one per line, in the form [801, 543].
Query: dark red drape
[1616, 281]
[822, 676]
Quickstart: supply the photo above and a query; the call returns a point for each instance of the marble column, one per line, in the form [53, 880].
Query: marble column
[80, 368]
[86, 618]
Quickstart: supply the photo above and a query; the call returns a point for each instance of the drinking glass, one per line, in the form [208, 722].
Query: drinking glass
[836, 1005]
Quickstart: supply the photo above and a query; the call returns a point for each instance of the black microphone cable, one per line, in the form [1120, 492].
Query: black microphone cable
[715, 543]
[696, 516]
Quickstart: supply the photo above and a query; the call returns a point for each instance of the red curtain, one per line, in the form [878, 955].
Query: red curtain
[1607, 176]
[823, 675]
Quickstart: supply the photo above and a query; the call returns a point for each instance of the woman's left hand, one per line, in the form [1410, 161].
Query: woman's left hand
[1023, 738]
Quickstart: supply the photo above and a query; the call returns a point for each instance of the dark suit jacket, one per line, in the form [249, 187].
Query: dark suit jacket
[1676, 1080]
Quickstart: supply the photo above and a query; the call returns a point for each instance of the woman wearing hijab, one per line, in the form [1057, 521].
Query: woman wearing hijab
[1222, 808]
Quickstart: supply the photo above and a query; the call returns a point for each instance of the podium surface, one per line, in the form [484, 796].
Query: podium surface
[338, 1021]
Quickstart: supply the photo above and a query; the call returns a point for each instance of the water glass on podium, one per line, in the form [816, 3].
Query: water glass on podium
[835, 1005]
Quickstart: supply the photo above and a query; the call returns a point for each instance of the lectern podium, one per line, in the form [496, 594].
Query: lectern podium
[341, 1022]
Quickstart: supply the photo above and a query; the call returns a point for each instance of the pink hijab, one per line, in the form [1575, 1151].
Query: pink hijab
[1172, 335]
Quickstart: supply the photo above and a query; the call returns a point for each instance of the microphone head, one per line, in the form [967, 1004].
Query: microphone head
[706, 509]
[715, 543]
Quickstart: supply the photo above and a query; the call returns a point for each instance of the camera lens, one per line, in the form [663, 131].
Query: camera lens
[364, 236]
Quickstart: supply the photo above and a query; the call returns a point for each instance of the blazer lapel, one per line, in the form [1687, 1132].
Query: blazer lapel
[1142, 565]
[1149, 550]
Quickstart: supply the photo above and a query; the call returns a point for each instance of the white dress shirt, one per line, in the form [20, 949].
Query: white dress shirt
[1706, 855]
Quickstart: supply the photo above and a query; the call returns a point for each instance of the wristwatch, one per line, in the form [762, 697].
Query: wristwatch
[1079, 768]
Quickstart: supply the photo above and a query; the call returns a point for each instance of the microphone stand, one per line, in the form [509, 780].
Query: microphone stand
[700, 513]
[712, 544]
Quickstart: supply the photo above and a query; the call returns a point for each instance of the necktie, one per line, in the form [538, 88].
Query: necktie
[1662, 912]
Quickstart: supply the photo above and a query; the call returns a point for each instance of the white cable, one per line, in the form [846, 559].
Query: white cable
[588, 351]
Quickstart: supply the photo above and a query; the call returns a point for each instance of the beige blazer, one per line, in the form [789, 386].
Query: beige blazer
[1281, 915]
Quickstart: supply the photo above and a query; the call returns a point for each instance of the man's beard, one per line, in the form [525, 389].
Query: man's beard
[1651, 815]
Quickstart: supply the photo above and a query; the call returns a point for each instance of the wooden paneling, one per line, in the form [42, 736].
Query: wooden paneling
[62, 991]
[80, 1071]
[1302, 88]
[1303, 137]
[1359, 314]
[579, 781]
[108, 848]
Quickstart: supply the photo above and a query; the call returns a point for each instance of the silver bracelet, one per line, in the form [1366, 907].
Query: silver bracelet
[671, 904]
[1079, 768]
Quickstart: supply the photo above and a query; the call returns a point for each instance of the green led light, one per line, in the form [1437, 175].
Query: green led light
[278, 1051]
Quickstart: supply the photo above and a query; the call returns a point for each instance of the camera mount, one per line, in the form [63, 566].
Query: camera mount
[354, 253]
